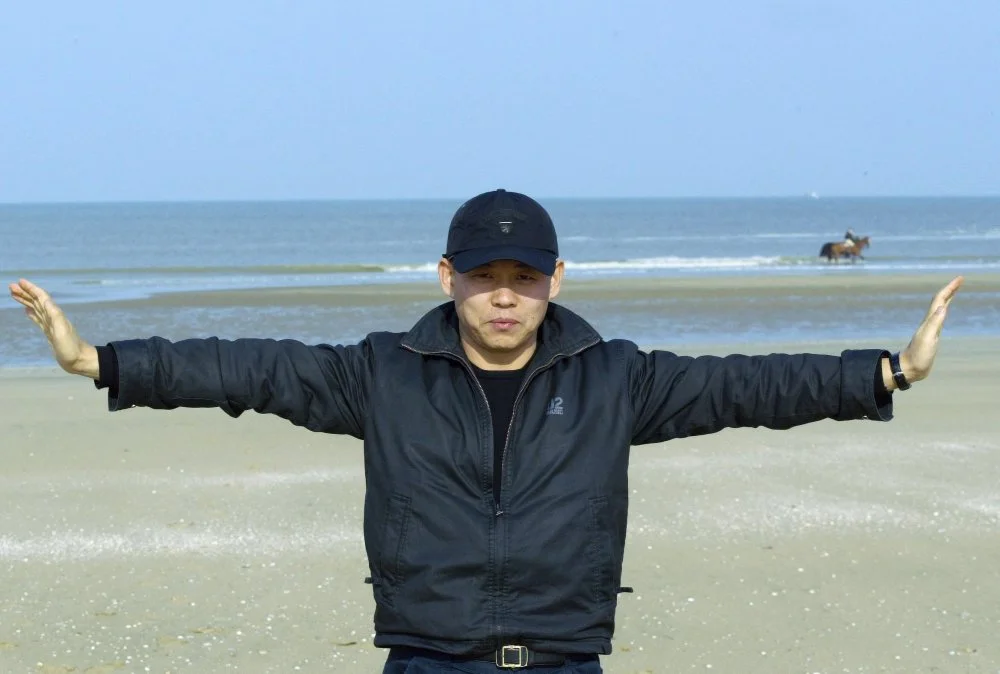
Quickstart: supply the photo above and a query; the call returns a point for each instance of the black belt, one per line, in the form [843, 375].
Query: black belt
[506, 657]
[519, 657]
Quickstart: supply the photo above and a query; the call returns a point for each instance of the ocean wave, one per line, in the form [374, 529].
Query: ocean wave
[426, 267]
[668, 262]
[820, 237]
[350, 268]
[674, 262]
[347, 273]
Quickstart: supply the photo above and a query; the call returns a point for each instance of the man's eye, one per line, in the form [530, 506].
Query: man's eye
[526, 278]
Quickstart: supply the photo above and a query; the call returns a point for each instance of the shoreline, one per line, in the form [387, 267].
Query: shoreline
[692, 314]
[727, 285]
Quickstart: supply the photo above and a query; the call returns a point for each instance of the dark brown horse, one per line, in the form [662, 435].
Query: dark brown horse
[834, 250]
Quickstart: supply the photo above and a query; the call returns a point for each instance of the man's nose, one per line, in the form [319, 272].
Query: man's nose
[503, 296]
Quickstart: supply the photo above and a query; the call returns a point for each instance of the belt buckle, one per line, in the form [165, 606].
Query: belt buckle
[518, 652]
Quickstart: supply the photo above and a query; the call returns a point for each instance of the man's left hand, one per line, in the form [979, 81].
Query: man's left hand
[917, 358]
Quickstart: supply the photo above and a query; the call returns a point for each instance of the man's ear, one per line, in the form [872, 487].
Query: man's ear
[555, 283]
[446, 274]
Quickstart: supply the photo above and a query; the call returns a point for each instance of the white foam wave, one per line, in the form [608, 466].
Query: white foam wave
[990, 235]
[673, 262]
[427, 267]
[717, 263]
[668, 262]
[916, 266]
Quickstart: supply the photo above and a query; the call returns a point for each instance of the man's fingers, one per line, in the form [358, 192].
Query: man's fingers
[28, 286]
[25, 286]
[19, 293]
[34, 318]
[37, 303]
[28, 294]
[50, 308]
[33, 291]
[934, 322]
[944, 296]
[949, 290]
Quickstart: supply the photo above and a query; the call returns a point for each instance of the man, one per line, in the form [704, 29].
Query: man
[850, 238]
[496, 434]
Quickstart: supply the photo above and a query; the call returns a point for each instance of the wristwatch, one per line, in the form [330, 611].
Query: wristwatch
[897, 372]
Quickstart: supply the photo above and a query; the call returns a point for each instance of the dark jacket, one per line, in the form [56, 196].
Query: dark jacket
[451, 569]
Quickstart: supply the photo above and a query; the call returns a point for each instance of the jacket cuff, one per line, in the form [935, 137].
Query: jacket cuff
[858, 368]
[135, 375]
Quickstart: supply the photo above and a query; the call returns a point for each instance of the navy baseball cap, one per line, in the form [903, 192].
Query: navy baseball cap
[502, 225]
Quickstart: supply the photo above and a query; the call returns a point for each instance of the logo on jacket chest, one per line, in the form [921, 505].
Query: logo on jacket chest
[555, 406]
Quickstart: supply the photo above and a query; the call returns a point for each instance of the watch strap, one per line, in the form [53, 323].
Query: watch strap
[897, 372]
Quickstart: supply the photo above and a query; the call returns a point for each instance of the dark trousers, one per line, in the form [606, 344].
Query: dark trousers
[409, 661]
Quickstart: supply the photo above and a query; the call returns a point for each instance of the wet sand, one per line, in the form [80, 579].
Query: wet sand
[147, 541]
[849, 283]
[681, 312]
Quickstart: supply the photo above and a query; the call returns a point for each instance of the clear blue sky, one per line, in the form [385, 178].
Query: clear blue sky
[103, 101]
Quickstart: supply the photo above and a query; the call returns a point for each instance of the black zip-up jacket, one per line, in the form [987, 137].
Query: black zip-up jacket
[453, 570]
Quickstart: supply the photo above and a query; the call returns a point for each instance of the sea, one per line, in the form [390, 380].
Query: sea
[92, 254]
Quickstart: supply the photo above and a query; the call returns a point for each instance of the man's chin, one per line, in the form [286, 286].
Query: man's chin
[505, 343]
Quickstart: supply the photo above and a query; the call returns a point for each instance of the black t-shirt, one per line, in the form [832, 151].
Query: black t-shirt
[501, 388]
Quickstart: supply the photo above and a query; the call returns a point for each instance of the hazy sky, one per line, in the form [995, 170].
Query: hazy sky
[319, 99]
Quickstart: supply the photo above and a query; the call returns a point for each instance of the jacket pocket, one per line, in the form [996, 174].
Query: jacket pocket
[393, 544]
[600, 550]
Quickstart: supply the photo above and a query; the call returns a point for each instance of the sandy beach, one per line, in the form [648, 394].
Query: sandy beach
[146, 541]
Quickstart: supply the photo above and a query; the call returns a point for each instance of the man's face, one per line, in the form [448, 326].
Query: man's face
[500, 306]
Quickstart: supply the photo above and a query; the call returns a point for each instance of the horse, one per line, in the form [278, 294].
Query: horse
[834, 250]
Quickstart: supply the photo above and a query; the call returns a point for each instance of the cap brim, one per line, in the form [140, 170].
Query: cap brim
[542, 260]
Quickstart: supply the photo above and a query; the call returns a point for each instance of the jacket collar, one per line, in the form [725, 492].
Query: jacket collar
[562, 332]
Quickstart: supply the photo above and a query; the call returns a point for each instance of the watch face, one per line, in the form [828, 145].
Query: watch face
[897, 373]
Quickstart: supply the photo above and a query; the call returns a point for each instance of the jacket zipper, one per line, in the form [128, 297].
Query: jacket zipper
[479, 386]
[497, 506]
[497, 512]
[513, 413]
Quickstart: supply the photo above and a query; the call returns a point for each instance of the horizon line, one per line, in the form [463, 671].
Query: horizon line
[278, 200]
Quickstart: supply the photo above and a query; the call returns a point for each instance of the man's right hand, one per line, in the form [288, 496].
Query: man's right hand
[72, 353]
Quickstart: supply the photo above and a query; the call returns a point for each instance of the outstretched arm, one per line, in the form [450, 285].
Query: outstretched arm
[677, 396]
[323, 388]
